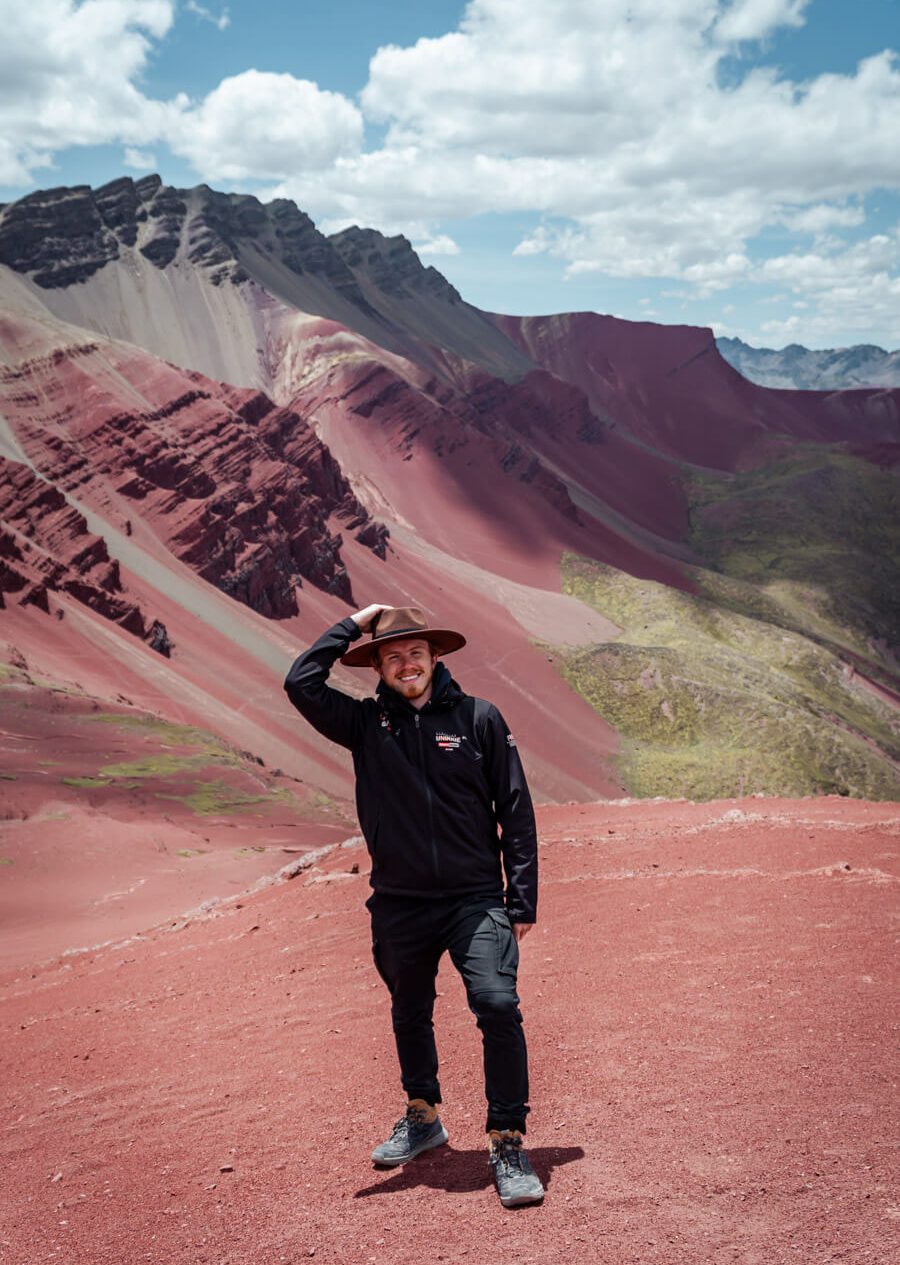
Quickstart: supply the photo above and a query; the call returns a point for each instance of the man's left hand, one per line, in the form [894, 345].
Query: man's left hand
[521, 930]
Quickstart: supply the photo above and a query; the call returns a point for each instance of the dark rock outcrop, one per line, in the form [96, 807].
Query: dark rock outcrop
[56, 235]
[62, 236]
[391, 264]
[45, 547]
[240, 490]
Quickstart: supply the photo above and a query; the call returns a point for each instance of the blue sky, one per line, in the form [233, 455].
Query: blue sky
[731, 163]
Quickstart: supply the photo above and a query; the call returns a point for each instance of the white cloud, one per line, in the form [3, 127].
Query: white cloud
[821, 217]
[221, 20]
[611, 122]
[139, 159]
[264, 126]
[67, 75]
[847, 290]
[756, 19]
[440, 244]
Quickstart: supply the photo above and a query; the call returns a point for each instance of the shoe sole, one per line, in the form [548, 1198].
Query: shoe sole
[519, 1201]
[438, 1140]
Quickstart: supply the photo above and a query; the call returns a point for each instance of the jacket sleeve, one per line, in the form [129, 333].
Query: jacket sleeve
[515, 817]
[338, 716]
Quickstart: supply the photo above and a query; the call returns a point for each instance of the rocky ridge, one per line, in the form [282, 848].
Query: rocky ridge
[390, 263]
[46, 548]
[60, 237]
[237, 488]
[799, 368]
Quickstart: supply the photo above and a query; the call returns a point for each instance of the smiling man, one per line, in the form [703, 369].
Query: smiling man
[447, 817]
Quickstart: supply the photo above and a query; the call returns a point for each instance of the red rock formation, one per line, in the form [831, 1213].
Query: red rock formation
[45, 547]
[240, 490]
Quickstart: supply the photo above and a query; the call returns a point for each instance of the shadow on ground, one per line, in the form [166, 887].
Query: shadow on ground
[461, 1172]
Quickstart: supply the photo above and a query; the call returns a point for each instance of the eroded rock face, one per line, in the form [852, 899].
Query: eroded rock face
[45, 547]
[390, 263]
[60, 237]
[238, 489]
[303, 248]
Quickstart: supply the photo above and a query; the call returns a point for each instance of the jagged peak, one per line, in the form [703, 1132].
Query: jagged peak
[390, 263]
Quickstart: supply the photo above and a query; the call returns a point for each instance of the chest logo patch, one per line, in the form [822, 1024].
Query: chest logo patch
[449, 742]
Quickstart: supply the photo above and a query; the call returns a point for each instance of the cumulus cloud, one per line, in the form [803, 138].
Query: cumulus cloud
[139, 159]
[69, 75]
[264, 126]
[821, 217]
[440, 244]
[67, 72]
[840, 289]
[616, 124]
[756, 19]
[612, 118]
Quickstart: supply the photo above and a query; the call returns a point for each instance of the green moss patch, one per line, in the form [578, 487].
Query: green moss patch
[160, 764]
[216, 797]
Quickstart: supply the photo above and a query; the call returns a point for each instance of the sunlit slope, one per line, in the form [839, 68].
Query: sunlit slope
[709, 702]
[815, 541]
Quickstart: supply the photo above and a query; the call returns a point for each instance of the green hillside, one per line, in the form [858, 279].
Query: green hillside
[763, 680]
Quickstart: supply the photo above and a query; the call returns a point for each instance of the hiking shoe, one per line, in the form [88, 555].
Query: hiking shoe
[409, 1137]
[516, 1181]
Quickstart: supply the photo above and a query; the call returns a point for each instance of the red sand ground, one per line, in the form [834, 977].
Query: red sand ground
[708, 1004]
[86, 858]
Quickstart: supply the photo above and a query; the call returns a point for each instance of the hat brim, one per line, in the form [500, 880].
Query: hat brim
[444, 640]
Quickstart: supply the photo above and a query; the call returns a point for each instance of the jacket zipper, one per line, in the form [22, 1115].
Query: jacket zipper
[434, 850]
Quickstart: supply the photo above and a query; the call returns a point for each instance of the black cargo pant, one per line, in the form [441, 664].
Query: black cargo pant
[409, 937]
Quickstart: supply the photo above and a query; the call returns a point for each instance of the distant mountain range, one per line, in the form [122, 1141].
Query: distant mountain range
[798, 368]
[222, 430]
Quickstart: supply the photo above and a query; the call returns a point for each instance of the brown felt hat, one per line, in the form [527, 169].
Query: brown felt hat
[397, 623]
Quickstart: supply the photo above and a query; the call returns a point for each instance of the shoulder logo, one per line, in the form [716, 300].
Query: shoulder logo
[510, 740]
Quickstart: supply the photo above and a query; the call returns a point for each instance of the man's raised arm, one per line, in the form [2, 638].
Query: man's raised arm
[336, 715]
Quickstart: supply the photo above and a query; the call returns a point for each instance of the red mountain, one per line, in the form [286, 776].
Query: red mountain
[236, 404]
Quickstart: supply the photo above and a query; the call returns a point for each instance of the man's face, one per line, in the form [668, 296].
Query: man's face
[407, 666]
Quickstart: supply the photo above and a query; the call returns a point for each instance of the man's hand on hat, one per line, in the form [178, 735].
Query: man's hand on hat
[364, 618]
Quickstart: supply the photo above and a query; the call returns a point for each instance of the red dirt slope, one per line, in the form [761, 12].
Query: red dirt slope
[707, 998]
[669, 387]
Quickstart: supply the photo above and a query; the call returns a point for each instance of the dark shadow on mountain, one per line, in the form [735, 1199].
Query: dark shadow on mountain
[461, 1172]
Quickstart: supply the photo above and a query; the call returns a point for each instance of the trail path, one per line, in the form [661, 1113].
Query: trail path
[708, 1005]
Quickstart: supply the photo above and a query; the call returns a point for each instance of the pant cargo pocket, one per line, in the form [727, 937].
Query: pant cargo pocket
[507, 946]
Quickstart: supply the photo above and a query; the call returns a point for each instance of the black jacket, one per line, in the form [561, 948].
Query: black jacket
[432, 785]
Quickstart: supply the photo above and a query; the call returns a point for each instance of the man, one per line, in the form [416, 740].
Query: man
[437, 773]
